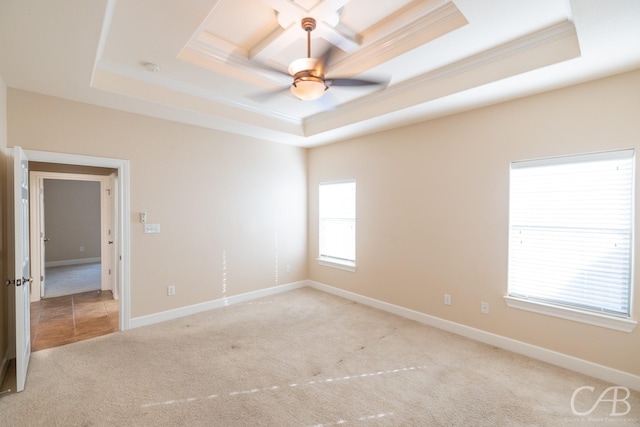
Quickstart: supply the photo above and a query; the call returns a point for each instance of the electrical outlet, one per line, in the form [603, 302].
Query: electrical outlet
[447, 299]
[288, 268]
[484, 307]
[171, 290]
[81, 248]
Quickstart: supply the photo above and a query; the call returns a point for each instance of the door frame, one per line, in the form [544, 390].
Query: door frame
[36, 180]
[122, 264]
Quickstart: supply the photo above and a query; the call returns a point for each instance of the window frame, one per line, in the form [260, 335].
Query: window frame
[612, 321]
[335, 262]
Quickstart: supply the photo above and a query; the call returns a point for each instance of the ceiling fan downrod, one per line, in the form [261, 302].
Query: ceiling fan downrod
[308, 24]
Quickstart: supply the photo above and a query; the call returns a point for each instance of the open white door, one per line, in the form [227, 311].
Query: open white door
[22, 275]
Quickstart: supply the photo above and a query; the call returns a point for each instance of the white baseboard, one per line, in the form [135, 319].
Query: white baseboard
[72, 262]
[595, 370]
[151, 319]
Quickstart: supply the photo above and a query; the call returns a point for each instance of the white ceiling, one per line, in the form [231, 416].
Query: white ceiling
[440, 57]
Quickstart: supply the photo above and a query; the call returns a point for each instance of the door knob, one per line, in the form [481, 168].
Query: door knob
[46, 239]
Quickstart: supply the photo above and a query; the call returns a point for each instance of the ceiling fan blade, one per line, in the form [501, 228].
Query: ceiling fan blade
[355, 82]
[269, 70]
[325, 59]
[238, 59]
[267, 95]
[327, 102]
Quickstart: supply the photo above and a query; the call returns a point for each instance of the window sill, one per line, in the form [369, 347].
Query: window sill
[342, 265]
[597, 319]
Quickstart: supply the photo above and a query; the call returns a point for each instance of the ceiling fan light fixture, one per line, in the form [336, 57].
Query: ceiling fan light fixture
[308, 88]
[308, 82]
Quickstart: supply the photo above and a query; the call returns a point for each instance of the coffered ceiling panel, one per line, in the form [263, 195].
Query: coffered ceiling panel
[242, 30]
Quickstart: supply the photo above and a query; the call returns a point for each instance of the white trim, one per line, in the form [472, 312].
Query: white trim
[123, 216]
[413, 27]
[574, 158]
[331, 262]
[177, 313]
[559, 359]
[591, 318]
[72, 262]
[336, 181]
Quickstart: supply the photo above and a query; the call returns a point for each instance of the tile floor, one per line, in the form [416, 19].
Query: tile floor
[63, 320]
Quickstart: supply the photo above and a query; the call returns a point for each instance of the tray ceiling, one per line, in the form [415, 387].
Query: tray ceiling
[204, 61]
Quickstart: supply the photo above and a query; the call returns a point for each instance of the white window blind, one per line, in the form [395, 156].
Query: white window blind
[337, 202]
[570, 237]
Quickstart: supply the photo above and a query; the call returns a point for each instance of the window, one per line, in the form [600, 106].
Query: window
[571, 237]
[337, 202]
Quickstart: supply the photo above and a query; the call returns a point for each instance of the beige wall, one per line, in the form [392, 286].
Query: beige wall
[4, 306]
[71, 219]
[432, 206]
[223, 201]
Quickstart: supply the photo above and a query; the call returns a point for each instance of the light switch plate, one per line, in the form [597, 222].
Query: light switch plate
[151, 228]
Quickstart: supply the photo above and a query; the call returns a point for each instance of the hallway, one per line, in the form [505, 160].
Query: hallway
[66, 319]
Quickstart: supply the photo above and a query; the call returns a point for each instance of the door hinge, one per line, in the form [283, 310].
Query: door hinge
[42, 278]
[109, 272]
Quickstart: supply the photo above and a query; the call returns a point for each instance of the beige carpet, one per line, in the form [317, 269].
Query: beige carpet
[302, 358]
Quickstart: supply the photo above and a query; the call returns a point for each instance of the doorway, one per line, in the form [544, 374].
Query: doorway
[72, 245]
[19, 240]
[65, 316]
[72, 222]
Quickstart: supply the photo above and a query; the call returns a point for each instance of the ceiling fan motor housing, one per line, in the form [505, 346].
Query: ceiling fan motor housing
[308, 24]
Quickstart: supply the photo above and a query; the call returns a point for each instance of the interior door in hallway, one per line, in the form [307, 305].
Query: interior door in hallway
[42, 239]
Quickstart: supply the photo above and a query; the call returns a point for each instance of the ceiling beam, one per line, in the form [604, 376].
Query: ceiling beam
[275, 42]
[288, 12]
[327, 8]
[340, 36]
[290, 15]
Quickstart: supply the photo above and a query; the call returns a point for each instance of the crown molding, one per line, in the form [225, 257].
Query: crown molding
[414, 28]
[115, 77]
[228, 58]
[547, 46]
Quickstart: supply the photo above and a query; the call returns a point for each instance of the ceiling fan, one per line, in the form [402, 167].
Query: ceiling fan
[309, 81]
